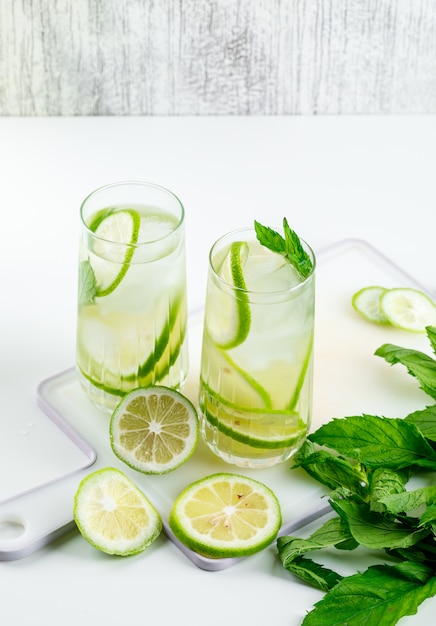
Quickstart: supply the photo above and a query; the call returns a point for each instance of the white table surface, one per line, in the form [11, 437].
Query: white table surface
[334, 178]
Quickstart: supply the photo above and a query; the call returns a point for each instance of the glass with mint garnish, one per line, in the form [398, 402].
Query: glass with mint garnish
[255, 396]
[132, 312]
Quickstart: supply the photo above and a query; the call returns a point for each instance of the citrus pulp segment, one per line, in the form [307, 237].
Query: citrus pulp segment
[408, 309]
[154, 429]
[226, 515]
[367, 302]
[116, 234]
[113, 515]
[228, 323]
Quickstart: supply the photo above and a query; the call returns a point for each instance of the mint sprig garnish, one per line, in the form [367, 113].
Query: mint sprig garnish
[289, 246]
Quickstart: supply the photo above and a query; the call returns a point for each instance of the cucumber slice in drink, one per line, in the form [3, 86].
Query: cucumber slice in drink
[111, 259]
[408, 309]
[229, 317]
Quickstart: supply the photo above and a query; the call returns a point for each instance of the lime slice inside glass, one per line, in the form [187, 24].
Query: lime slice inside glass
[228, 317]
[116, 234]
[226, 515]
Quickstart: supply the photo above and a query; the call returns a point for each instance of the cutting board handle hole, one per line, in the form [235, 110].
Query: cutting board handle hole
[11, 528]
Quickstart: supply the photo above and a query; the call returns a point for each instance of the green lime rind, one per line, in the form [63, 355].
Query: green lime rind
[206, 542]
[296, 395]
[153, 369]
[240, 433]
[367, 302]
[242, 302]
[408, 309]
[231, 313]
[141, 426]
[98, 223]
[148, 526]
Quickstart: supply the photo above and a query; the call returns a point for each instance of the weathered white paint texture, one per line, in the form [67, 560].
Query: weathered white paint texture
[213, 57]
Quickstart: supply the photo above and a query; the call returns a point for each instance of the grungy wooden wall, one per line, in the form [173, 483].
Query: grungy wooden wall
[217, 57]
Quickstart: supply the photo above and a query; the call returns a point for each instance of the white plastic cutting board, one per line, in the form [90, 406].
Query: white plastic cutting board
[348, 379]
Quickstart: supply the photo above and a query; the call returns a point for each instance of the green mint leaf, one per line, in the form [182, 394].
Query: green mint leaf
[331, 471]
[332, 533]
[374, 530]
[418, 364]
[431, 334]
[409, 500]
[425, 421]
[87, 283]
[385, 482]
[314, 574]
[380, 595]
[289, 246]
[377, 441]
[295, 252]
[429, 515]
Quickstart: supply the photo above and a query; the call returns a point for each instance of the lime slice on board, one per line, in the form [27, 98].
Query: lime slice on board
[111, 260]
[154, 429]
[408, 309]
[367, 302]
[226, 515]
[113, 515]
[229, 317]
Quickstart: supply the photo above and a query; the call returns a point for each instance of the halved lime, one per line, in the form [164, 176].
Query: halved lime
[226, 515]
[111, 260]
[154, 429]
[228, 317]
[113, 515]
[367, 302]
[408, 309]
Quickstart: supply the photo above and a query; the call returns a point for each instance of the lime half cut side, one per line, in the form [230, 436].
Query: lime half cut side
[113, 515]
[408, 309]
[116, 235]
[229, 316]
[367, 302]
[154, 429]
[226, 515]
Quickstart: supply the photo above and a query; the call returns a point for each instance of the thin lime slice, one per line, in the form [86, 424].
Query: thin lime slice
[367, 302]
[113, 515]
[408, 309]
[116, 234]
[226, 515]
[138, 360]
[228, 317]
[272, 430]
[154, 429]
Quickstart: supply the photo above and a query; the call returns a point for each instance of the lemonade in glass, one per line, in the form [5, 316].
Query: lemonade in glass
[132, 311]
[255, 396]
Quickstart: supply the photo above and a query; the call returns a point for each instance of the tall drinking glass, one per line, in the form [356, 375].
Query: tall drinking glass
[255, 396]
[131, 325]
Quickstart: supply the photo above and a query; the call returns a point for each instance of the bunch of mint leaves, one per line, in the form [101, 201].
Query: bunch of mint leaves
[366, 462]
